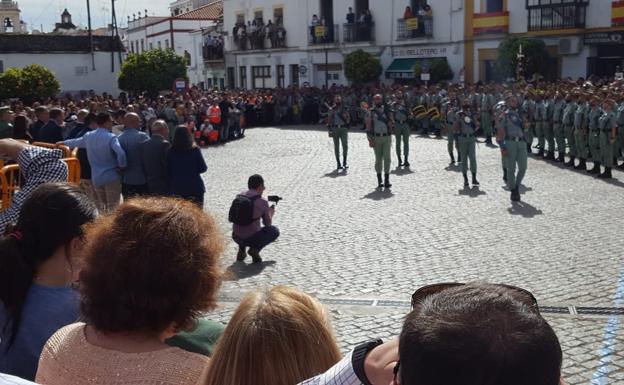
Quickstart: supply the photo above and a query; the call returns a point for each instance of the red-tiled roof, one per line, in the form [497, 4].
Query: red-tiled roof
[213, 11]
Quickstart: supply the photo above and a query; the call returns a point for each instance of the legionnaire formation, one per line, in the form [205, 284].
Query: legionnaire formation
[563, 122]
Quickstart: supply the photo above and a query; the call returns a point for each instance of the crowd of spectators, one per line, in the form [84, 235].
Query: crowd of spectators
[255, 34]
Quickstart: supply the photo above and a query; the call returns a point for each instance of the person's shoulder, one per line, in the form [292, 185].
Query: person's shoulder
[66, 337]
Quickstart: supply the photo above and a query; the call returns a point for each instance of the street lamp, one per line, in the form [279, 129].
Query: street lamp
[519, 64]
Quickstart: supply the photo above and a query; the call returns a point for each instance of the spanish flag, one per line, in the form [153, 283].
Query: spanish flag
[617, 13]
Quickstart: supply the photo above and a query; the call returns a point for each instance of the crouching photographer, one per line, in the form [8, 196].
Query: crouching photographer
[247, 210]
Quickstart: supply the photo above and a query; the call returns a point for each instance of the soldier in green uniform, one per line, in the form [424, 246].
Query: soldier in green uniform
[379, 124]
[401, 130]
[510, 137]
[548, 126]
[450, 109]
[465, 128]
[339, 119]
[558, 133]
[580, 132]
[485, 112]
[6, 127]
[568, 126]
[620, 129]
[608, 132]
[541, 121]
[594, 134]
[528, 112]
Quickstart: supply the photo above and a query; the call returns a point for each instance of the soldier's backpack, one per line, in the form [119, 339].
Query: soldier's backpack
[241, 210]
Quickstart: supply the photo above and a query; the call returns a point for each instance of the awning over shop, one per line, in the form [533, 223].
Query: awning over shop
[401, 69]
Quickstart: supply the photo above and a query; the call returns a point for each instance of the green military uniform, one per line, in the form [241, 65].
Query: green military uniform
[558, 132]
[402, 133]
[580, 134]
[568, 130]
[466, 129]
[6, 128]
[380, 136]
[594, 138]
[339, 129]
[620, 134]
[607, 123]
[451, 116]
[487, 102]
[515, 146]
[541, 122]
[528, 110]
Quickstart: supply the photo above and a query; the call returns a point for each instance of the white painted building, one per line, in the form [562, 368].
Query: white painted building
[175, 32]
[69, 58]
[582, 37]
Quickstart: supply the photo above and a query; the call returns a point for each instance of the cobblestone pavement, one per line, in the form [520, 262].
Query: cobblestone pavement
[343, 239]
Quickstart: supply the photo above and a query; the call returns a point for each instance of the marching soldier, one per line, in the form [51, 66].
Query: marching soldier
[379, 124]
[608, 132]
[541, 121]
[485, 109]
[451, 109]
[568, 127]
[558, 131]
[511, 138]
[620, 129]
[528, 110]
[594, 134]
[580, 132]
[339, 119]
[401, 130]
[499, 111]
[466, 128]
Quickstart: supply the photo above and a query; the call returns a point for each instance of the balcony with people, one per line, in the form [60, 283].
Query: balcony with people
[212, 49]
[320, 32]
[256, 35]
[415, 24]
[360, 28]
[565, 14]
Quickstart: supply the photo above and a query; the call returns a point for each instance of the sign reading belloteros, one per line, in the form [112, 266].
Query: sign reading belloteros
[419, 52]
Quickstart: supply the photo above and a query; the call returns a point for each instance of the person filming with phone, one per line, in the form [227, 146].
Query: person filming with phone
[247, 210]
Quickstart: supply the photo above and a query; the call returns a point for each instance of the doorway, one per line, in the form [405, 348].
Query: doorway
[327, 14]
[360, 7]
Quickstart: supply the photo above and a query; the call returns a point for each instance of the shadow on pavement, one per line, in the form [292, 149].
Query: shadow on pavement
[241, 270]
[379, 195]
[402, 171]
[613, 182]
[524, 209]
[336, 174]
[473, 192]
[453, 167]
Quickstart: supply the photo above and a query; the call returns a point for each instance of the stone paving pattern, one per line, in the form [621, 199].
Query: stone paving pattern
[341, 238]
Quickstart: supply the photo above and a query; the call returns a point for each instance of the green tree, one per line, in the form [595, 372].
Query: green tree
[38, 82]
[10, 81]
[439, 69]
[536, 58]
[361, 67]
[30, 83]
[151, 71]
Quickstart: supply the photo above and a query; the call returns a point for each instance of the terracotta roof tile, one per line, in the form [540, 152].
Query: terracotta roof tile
[213, 11]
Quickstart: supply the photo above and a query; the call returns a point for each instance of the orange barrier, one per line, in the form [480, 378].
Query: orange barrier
[10, 177]
[67, 152]
[73, 170]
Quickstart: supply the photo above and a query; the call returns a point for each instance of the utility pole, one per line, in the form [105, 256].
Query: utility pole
[115, 35]
[90, 36]
[326, 68]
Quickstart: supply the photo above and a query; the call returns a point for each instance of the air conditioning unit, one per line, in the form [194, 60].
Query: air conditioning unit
[569, 46]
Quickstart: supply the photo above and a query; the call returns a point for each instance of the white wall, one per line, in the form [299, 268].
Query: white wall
[64, 67]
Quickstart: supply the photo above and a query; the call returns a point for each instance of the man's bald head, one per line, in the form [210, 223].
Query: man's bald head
[81, 115]
[159, 127]
[132, 120]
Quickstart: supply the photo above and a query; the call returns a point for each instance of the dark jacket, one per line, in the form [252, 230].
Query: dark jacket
[85, 167]
[183, 172]
[154, 161]
[35, 129]
[50, 133]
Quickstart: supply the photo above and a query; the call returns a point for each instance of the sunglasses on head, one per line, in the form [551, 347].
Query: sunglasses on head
[421, 294]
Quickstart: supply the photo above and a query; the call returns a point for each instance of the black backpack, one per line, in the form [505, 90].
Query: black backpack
[241, 211]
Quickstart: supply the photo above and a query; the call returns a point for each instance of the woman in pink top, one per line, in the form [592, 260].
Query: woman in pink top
[150, 268]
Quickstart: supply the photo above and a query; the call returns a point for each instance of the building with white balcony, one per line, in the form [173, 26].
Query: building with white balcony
[582, 37]
[177, 33]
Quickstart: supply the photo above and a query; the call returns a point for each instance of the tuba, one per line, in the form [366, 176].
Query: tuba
[434, 114]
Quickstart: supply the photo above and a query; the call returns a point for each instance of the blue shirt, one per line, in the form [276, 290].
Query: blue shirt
[131, 140]
[46, 310]
[104, 153]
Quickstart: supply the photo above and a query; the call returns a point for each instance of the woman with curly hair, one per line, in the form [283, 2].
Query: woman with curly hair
[150, 269]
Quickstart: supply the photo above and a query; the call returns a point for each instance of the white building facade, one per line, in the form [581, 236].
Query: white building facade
[176, 32]
[69, 58]
[582, 37]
